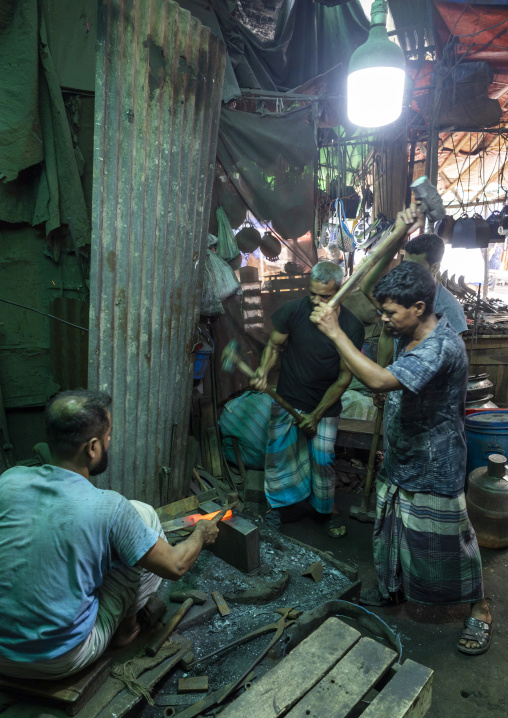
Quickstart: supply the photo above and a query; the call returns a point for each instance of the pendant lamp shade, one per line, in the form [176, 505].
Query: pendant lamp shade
[375, 86]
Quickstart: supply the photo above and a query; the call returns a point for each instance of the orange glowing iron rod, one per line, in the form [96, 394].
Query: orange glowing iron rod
[194, 518]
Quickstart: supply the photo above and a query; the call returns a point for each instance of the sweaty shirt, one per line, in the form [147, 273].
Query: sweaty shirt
[59, 535]
[310, 362]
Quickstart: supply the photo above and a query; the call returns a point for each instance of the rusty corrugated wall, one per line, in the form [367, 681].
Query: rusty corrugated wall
[158, 94]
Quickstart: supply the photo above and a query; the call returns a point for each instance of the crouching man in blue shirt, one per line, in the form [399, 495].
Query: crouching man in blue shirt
[425, 549]
[78, 563]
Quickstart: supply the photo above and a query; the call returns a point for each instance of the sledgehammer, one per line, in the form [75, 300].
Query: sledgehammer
[429, 203]
[231, 361]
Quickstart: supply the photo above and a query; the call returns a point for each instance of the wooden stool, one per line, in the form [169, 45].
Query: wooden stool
[69, 694]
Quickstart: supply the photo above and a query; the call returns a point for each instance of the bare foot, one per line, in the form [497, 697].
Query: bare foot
[126, 632]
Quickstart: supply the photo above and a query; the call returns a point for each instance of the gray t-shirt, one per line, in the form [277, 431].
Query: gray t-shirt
[445, 303]
[424, 421]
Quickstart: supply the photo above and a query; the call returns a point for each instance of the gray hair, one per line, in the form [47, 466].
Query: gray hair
[325, 272]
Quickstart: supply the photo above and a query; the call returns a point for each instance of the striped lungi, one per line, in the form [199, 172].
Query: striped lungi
[297, 466]
[124, 591]
[424, 543]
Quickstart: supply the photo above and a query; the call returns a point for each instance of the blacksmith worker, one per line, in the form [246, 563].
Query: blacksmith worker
[78, 563]
[427, 250]
[425, 549]
[300, 459]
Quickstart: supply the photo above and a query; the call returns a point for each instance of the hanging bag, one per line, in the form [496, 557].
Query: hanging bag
[345, 239]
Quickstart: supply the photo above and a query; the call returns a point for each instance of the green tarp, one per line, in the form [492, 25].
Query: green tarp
[39, 177]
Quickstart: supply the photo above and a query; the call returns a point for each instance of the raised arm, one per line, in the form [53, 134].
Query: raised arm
[413, 219]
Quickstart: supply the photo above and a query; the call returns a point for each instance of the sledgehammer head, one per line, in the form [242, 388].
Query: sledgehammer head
[430, 202]
[230, 356]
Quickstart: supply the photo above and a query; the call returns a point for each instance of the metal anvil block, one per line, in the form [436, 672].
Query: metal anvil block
[237, 542]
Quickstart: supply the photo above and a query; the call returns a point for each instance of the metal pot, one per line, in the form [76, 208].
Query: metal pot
[482, 231]
[248, 239]
[270, 246]
[478, 388]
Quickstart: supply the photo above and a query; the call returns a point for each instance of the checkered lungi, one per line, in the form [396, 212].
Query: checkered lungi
[297, 466]
[425, 544]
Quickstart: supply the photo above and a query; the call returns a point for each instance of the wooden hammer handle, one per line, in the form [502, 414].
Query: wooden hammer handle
[245, 368]
[153, 647]
[389, 244]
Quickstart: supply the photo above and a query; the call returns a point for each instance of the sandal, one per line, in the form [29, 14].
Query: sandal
[478, 631]
[335, 527]
[374, 597]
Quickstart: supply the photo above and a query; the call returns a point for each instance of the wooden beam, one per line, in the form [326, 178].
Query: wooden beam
[454, 150]
[448, 182]
[475, 161]
[490, 180]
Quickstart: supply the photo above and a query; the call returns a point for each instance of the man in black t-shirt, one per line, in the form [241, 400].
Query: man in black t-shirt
[300, 459]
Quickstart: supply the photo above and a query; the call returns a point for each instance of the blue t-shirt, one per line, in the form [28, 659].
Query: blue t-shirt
[424, 421]
[59, 535]
[445, 303]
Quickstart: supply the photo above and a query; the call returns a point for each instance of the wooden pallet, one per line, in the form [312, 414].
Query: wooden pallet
[330, 674]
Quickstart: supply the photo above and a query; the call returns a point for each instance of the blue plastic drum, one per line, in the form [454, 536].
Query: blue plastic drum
[486, 433]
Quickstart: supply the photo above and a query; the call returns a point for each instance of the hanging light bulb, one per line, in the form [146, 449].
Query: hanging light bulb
[375, 84]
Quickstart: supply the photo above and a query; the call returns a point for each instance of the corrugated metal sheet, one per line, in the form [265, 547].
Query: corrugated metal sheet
[158, 93]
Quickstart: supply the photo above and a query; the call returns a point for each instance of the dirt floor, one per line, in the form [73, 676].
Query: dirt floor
[463, 686]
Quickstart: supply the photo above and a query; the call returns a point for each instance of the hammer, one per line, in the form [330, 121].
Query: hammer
[429, 202]
[153, 647]
[231, 361]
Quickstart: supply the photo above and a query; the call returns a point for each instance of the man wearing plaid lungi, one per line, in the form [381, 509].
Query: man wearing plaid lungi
[299, 461]
[425, 549]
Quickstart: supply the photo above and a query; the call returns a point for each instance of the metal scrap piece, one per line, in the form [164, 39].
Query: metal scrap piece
[263, 594]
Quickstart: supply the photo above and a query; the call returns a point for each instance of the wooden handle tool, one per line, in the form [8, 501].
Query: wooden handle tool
[153, 647]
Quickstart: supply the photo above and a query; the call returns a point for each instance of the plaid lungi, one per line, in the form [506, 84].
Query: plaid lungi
[297, 466]
[425, 544]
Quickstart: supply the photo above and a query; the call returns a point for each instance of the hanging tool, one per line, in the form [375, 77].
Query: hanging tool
[231, 360]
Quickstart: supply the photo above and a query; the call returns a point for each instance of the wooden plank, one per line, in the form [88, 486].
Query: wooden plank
[407, 695]
[280, 689]
[347, 683]
[178, 508]
[69, 694]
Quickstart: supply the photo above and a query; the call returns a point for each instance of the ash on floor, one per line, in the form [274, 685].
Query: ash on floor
[210, 573]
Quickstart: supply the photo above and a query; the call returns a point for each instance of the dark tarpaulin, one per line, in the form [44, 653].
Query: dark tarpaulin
[270, 161]
[310, 38]
[40, 178]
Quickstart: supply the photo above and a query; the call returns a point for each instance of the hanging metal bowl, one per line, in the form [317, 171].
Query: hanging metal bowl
[270, 246]
[248, 239]
[482, 231]
[444, 227]
[494, 222]
[464, 233]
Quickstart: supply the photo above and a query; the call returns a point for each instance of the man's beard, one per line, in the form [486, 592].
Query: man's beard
[101, 467]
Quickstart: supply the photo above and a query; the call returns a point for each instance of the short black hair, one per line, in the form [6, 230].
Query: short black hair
[430, 245]
[407, 284]
[74, 417]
